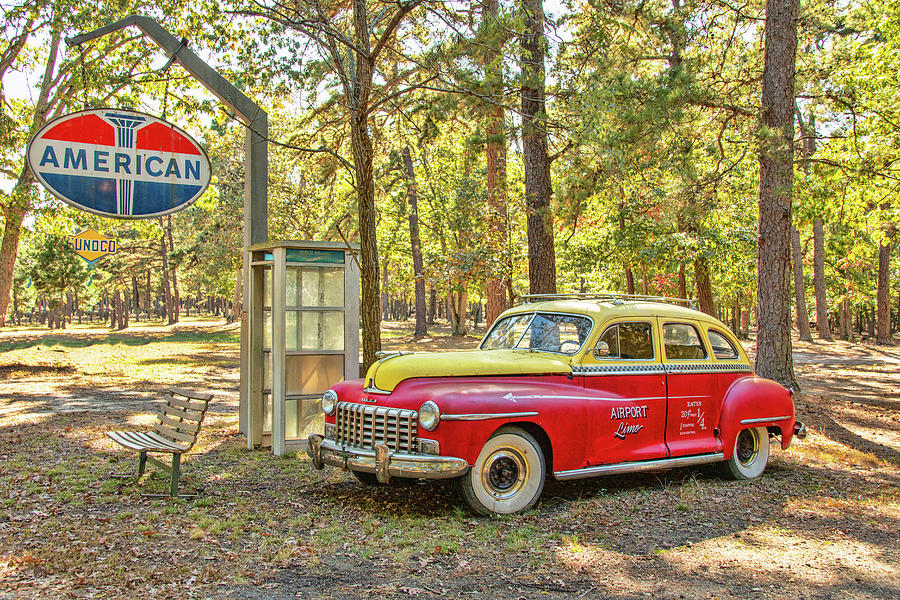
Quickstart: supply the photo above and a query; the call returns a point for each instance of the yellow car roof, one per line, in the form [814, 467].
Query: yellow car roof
[601, 311]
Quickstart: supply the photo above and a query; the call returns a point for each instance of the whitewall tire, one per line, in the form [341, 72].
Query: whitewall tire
[751, 453]
[508, 475]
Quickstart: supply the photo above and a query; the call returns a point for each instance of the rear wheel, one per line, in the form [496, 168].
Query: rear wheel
[751, 453]
[508, 475]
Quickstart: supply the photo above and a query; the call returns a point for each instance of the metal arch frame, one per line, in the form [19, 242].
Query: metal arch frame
[256, 153]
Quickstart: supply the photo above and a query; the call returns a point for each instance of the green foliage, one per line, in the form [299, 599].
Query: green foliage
[53, 267]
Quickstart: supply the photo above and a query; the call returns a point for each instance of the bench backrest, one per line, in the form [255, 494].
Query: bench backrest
[182, 415]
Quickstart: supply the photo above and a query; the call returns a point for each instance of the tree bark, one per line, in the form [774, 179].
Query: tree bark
[800, 287]
[774, 357]
[682, 282]
[541, 253]
[412, 196]
[822, 326]
[704, 286]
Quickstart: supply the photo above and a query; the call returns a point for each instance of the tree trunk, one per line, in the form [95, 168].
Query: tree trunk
[458, 306]
[822, 326]
[844, 319]
[800, 287]
[167, 286]
[495, 159]
[19, 199]
[682, 282]
[432, 305]
[176, 295]
[236, 300]
[541, 254]
[883, 296]
[126, 310]
[704, 285]
[412, 196]
[629, 280]
[384, 306]
[361, 146]
[774, 358]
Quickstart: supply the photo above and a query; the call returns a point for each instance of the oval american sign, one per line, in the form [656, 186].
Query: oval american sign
[119, 163]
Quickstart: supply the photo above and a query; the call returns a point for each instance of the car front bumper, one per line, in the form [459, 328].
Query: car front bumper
[383, 462]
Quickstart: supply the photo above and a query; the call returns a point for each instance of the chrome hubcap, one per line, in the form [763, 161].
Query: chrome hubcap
[747, 447]
[504, 473]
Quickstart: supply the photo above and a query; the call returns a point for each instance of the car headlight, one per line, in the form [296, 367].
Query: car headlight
[329, 402]
[429, 415]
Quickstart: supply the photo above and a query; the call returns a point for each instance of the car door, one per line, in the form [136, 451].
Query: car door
[693, 410]
[730, 359]
[627, 404]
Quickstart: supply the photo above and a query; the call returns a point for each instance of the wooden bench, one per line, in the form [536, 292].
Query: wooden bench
[175, 433]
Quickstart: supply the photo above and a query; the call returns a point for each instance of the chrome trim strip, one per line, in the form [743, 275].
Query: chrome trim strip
[763, 420]
[486, 416]
[644, 465]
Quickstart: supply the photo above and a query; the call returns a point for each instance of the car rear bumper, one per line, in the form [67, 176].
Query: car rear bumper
[384, 462]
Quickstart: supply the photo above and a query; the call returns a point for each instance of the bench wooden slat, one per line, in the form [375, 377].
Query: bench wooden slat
[183, 426]
[169, 433]
[161, 440]
[137, 440]
[187, 404]
[180, 413]
[189, 394]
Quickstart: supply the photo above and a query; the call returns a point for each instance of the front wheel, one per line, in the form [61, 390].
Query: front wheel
[751, 453]
[508, 475]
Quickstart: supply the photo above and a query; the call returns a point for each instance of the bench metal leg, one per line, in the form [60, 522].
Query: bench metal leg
[142, 463]
[176, 473]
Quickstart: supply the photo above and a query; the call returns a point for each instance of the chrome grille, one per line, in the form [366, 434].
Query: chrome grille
[364, 426]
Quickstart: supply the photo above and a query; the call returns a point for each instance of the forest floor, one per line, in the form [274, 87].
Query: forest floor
[822, 522]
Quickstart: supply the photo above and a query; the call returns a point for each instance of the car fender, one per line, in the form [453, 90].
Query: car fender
[756, 402]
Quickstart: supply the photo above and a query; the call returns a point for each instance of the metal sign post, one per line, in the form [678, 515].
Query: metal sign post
[256, 155]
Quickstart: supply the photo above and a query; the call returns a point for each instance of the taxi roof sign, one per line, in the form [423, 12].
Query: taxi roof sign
[91, 245]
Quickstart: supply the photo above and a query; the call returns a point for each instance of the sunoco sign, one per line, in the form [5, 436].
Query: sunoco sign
[119, 163]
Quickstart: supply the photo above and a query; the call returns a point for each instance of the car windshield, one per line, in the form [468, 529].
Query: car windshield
[562, 334]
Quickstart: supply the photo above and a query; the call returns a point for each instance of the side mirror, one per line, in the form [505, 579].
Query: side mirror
[602, 349]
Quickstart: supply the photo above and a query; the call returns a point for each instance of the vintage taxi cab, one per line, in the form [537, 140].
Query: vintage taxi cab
[569, 385]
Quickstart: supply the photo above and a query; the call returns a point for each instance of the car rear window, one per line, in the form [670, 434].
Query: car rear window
[722, 347]
[682, 342]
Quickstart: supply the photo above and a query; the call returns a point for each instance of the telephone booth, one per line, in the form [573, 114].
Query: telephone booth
[303, 337]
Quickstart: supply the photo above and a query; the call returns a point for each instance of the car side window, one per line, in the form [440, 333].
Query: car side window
[627, 341]
[682, 342]
[722, 348]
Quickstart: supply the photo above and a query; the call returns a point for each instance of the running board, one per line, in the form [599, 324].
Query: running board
[643, 465]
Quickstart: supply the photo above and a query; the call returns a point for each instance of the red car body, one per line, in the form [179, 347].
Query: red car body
[590, 413]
